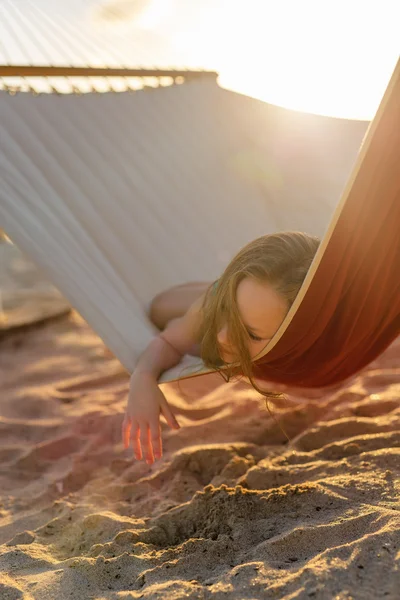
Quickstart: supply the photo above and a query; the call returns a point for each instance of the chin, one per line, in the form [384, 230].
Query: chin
[227, 358]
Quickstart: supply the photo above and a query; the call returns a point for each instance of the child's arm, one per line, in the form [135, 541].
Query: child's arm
[146, 402]
[166, 350]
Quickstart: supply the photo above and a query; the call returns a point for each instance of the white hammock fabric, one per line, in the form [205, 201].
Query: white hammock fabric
[118, 196]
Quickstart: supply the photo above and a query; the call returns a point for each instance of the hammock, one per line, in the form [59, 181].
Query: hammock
[119, 196]
[348, 309]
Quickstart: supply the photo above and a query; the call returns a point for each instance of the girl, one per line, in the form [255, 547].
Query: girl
[229, 321]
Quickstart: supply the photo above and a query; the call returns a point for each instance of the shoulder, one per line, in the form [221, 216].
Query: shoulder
[182, 332]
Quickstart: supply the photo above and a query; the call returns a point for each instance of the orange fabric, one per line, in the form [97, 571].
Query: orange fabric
[351, 311]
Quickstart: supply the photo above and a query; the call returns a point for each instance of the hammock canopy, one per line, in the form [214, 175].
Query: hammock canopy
[118, 196]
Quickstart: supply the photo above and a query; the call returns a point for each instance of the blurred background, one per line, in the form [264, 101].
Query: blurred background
[327, 57]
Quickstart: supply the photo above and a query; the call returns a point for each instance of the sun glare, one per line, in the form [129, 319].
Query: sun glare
[322, 56]
[332, 58]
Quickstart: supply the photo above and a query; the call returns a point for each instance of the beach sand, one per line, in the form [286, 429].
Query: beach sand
[230, 511]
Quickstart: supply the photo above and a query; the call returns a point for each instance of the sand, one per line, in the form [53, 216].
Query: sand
[230, 511]
[26, 295]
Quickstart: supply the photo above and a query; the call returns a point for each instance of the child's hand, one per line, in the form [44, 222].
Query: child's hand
[141, 423]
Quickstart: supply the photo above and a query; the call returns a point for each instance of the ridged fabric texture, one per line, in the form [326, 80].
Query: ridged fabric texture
[117, 196]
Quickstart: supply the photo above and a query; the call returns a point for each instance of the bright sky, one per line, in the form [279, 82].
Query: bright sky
[331, 57]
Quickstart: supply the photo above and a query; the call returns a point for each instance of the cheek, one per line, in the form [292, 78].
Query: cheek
[256, 347]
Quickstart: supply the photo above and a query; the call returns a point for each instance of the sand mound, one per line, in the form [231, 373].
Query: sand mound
[230, 511]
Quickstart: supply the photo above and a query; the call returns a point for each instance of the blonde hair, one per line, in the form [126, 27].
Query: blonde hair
[281, 260]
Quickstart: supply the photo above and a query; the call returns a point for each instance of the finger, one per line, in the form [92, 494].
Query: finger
[144, 439]
[155, 434]
[149, 453]
[135, 433]
[126, 429]
[169, 416]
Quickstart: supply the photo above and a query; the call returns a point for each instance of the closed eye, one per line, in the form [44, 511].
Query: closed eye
[254, 337]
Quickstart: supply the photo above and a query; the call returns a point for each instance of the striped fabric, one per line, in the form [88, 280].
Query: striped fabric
[118, 196]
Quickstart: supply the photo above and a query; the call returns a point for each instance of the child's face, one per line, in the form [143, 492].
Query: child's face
[262, 311]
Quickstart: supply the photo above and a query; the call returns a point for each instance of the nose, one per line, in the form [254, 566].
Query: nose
[222, 335]
[225, 348]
